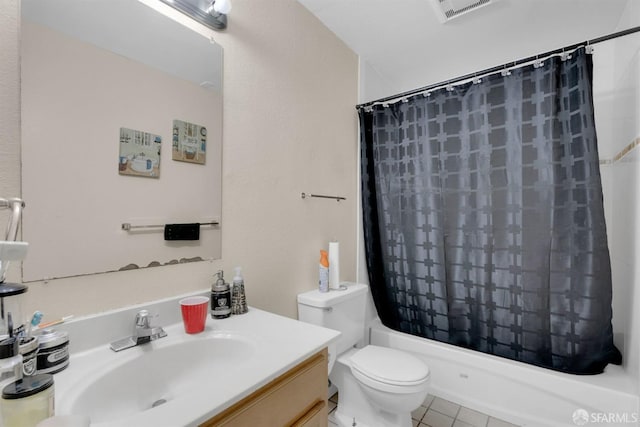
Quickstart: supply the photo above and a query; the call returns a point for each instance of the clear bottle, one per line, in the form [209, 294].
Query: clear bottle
[323, 281]
[220, 298]
[238, 297]
[28, 401]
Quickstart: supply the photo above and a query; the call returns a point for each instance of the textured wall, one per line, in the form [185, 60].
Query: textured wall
[289, 127]
[9, 111]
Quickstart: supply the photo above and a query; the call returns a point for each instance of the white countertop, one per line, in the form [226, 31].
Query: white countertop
[280, 344]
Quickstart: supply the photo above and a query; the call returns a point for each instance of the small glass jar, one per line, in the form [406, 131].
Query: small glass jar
[10, 361]
[11, 321]
[29, 351]
[28, 401]
[53, 351]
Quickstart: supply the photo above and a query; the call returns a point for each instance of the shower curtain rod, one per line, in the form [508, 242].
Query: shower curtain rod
[498, 68]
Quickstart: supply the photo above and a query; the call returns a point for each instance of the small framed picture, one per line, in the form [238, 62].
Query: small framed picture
[189, 142]
[139, 153]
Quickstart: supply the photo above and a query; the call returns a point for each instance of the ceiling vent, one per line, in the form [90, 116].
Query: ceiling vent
[451, 9]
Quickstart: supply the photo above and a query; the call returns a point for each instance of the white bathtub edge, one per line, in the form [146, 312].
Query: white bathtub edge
[516, 392]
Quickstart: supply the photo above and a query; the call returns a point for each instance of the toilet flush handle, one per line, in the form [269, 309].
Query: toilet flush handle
[327, 309]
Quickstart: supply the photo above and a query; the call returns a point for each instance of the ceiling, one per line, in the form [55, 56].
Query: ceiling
[405, 46]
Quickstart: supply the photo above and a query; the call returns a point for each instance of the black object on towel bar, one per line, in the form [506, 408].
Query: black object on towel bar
[182, 231]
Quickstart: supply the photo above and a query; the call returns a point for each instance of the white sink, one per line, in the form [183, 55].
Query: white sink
[157, 374]
[190, 378]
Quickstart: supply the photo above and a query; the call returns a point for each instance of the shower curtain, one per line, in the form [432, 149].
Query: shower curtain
[484, 221]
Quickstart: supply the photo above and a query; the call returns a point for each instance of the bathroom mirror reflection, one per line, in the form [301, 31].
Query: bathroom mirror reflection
[89, 69]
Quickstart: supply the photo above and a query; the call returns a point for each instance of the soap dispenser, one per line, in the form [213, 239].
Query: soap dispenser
[220, 297]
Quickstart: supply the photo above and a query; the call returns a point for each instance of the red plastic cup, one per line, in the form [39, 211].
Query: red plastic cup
[194, 313]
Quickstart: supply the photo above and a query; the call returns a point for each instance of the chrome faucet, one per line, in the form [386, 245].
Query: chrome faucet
[143, 332]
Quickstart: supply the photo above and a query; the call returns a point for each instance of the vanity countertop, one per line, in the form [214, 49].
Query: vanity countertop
[277, 344]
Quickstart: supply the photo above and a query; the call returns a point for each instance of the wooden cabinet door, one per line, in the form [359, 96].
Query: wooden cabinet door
[294, 396]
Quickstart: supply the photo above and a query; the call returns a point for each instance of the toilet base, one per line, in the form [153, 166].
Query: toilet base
[354, 404]
[343, 420]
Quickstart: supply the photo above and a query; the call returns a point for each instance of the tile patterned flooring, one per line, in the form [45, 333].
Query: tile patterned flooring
[438, 412]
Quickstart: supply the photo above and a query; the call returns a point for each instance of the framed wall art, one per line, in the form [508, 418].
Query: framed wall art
[139, 153]
[189, 142]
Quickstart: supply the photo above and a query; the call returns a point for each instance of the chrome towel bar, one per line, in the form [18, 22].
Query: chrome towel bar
[128, 227]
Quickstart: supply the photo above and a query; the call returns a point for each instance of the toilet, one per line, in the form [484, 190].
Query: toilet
[378, 386]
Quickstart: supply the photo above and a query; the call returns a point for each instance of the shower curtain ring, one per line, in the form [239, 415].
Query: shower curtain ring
[539, 63]
[589, 48]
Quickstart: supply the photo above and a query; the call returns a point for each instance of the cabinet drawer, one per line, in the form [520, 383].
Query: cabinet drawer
[315, 417]
[284, 401]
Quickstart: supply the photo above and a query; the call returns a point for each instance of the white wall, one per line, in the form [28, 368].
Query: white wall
[617, 102]
[616, 87]
[372, 84]
[289, 126]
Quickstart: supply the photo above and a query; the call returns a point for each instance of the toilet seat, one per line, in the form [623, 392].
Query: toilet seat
[390, 370]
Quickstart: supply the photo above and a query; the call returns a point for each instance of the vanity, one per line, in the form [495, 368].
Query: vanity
[257, 369]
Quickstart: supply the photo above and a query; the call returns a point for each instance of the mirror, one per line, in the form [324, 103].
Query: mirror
[121, 124]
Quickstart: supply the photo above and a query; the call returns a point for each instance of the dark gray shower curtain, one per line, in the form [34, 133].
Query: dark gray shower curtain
[484, 221]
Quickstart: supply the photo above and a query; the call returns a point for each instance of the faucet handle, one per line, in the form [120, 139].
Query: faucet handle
[142, 319]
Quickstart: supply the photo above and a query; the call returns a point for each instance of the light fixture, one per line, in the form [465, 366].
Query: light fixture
[212, 14]
[221, 6]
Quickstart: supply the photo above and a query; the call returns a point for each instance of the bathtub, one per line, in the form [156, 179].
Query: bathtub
[517, 392]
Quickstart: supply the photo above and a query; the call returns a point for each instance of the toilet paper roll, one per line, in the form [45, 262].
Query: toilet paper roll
[334, 265]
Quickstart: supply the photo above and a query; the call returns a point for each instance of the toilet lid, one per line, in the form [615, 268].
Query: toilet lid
[389, 366]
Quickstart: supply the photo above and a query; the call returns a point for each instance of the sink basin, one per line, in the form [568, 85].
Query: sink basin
[181, 380]
[157, 374]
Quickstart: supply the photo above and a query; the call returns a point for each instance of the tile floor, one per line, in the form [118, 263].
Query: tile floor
[438, 412]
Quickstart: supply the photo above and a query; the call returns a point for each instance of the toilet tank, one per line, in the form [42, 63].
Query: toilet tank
[341, 310]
